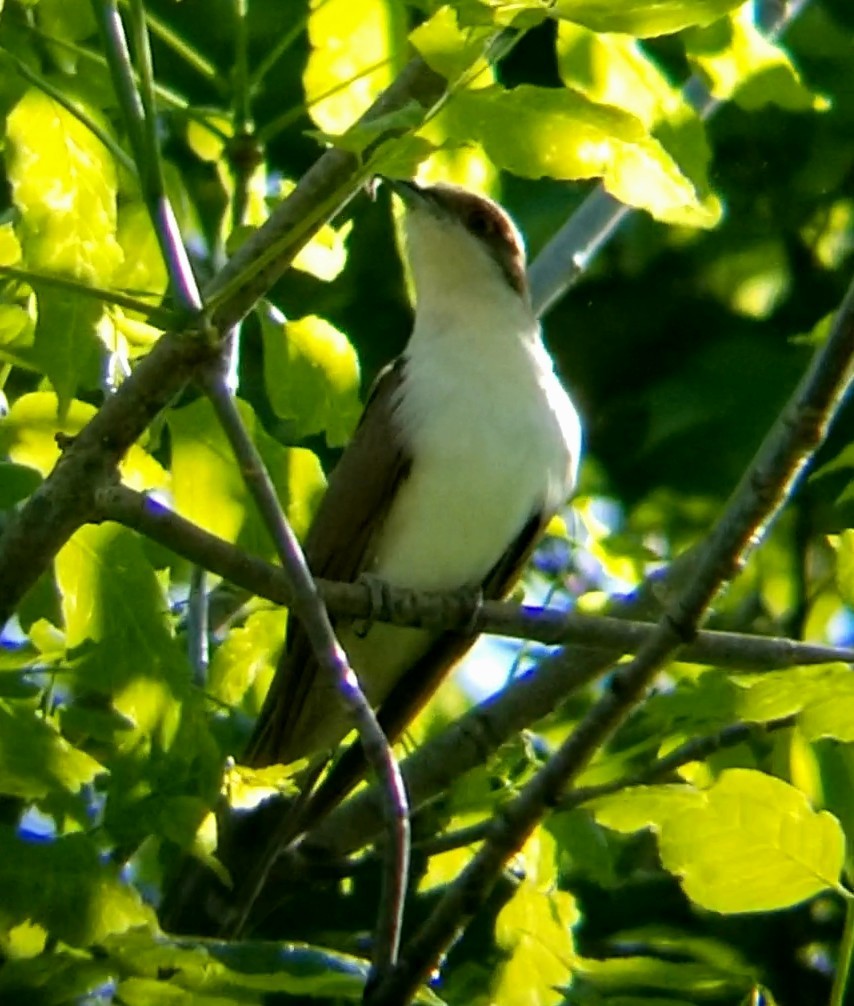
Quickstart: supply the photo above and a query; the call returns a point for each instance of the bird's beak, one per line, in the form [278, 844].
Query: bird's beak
[410, 193]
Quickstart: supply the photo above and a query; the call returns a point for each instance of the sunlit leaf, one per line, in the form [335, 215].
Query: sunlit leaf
[222, 966]
[65, 887]
[312, 376]
[116, 614]
[739, 63]
[620, 977]
[643, 18]
[615, 70]
[64, 184]
[246, 657]
[28, 437]
[781, 693]
[451, 50]
[536, 132]
[207, 484]
[355, 51]
[143, 272]
[535, 929]
[10, 246]
[763, 847]
[325, 255]
[35, 760]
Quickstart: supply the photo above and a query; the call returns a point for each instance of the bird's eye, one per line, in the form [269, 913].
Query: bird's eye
[480, 223]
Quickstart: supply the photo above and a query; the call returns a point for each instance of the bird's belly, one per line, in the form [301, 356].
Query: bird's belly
[470, 492]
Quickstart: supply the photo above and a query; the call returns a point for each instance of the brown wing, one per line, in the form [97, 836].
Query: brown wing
[418, 684]
[339, 546]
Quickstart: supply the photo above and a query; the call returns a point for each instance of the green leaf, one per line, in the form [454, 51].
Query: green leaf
[28, 437]
[16, 483]
[555, 132]
[35, 760]
[449, 49]
[223, 967]
[64, 184]
[325, 255]
[247, 657]
[63, 886]
[614, 70]
[67, 347]
[738, 63]
[535, 929]
[750, 843]
[71, 20]
[356, 50]
[208, 487]
[311, 373]
[54, 979]
[643, 18]
[617, 978]
[16, 334]
[10, 247]
[117, 616]
[143, 272]
[782, 693]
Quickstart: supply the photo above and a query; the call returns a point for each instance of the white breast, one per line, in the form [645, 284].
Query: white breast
[494, 440]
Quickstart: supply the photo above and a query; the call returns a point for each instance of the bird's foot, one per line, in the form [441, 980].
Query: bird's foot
[378, 595]
[471, 603]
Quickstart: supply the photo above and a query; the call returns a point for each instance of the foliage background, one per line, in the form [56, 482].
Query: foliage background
[680, 345]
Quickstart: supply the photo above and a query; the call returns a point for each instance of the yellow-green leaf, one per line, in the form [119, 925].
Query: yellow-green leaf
[614, 70]
[643, 18]
[740, 64]
[208, 487]
[35, 760]
[28, 437]
[311, 373]
[64, 185]
[355, 51]
[535, 929]
[65, 887]
[556, 132]
[749, 843]
[451, 50]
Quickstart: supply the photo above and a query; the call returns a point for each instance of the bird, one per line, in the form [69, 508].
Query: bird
[467, 446]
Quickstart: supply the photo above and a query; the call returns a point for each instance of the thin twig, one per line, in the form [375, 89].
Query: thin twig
[198, 643]
[160, 317]
[307, 605]
[139, 115]
[189, 56]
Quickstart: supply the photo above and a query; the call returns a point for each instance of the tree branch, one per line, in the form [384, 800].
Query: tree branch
[423, 609]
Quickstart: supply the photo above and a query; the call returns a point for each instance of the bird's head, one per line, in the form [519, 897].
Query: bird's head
[462, 246]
